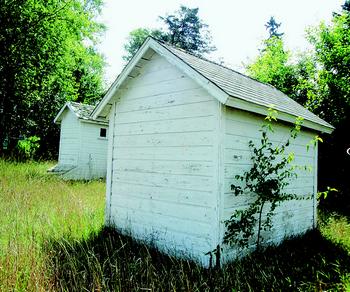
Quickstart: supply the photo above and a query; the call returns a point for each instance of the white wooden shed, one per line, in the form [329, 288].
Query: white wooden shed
[83, 143]
[179, 132]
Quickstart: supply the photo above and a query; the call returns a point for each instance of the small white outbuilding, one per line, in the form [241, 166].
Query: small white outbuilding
[83, 143]
[179, 132]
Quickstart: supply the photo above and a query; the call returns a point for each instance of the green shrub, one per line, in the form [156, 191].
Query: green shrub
[27, 147]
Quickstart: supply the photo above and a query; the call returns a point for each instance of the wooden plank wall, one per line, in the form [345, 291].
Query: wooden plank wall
[164, 184]
[69, 139]
[292, 217]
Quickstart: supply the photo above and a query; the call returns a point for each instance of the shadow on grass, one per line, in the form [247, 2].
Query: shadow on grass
[108, 261]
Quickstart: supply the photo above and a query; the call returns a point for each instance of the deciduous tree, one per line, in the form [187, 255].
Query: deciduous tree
[47, 57]
[332, 50]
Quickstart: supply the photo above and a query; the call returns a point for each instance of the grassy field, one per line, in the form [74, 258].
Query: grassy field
[52, 238]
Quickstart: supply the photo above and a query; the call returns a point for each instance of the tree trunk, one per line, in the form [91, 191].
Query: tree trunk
[259, 226]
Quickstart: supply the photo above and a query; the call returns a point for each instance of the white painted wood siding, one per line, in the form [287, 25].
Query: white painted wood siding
[69, 139]
[93, 154]
[292, 217]
[164, 171]
[82, 148]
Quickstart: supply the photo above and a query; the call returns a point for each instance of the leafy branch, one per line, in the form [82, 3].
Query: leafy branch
[266, 182]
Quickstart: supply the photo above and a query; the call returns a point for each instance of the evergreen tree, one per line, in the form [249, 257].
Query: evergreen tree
[273, 66]
[183, 29]
[272, 27]
[346, 6]
[187, 31]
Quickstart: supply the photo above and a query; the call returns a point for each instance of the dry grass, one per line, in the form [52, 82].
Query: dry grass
[52, 238]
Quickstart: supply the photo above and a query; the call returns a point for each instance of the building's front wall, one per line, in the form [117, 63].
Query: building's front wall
[93, 153]
[163, 185]
[82, 152]
[292, 217]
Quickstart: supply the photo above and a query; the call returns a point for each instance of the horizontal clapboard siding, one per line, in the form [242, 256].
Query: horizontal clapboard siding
[69, 139]
[292, 217]
[164, 162]
[93, 157]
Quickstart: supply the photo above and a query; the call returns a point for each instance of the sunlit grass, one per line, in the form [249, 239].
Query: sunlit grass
[37, 207]
[52, 238]
[336, 228]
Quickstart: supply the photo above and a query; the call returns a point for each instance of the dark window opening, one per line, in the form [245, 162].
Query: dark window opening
[103, 132]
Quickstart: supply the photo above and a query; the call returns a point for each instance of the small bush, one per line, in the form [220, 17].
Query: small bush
[27, 147]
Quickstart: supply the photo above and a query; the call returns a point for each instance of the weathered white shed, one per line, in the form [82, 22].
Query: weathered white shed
[179, 132]
[83, 143]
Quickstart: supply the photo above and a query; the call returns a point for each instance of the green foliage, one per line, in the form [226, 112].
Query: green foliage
[296, 76]
[332, 47]
[28, 146]
[136, 39]
[273, 66]
[48, 56]
[183, 29]
[265, 182]
[320, 80]
[331, 44]
[324, 194]
[187, 31]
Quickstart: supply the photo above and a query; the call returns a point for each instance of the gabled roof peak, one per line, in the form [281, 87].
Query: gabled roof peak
[211, 61]
[230, 87]
[80, 110]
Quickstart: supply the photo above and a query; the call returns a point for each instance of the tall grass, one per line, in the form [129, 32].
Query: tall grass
[36, 208]
[52, 238]
[109, 261]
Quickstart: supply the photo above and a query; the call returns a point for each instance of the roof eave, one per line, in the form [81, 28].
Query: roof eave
[57, 119]
[259, 109]
[97, 122]
[120, 79]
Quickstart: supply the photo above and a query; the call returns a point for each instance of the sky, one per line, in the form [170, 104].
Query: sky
[237, 26]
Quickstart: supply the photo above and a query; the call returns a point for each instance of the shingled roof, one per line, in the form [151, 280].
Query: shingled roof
[243, 87]
[81, 110]
[230, 87]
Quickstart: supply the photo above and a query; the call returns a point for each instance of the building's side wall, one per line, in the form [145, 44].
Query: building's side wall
[292, 217]
[164, 170]
[69, 139]
[93, 153]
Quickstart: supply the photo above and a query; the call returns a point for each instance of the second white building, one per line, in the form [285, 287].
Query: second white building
[83, 143]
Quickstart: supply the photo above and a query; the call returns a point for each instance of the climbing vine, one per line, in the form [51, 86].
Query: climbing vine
[265, 183]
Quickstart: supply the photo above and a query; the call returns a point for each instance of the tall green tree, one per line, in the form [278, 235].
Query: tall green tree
[186, 30]
[273, 66]
[332, 47]
[332, 50]
[277, 66]
[136, 39]
[183, 29]
[47, 57]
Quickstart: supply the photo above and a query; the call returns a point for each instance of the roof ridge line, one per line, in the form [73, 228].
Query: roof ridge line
[215, 63]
